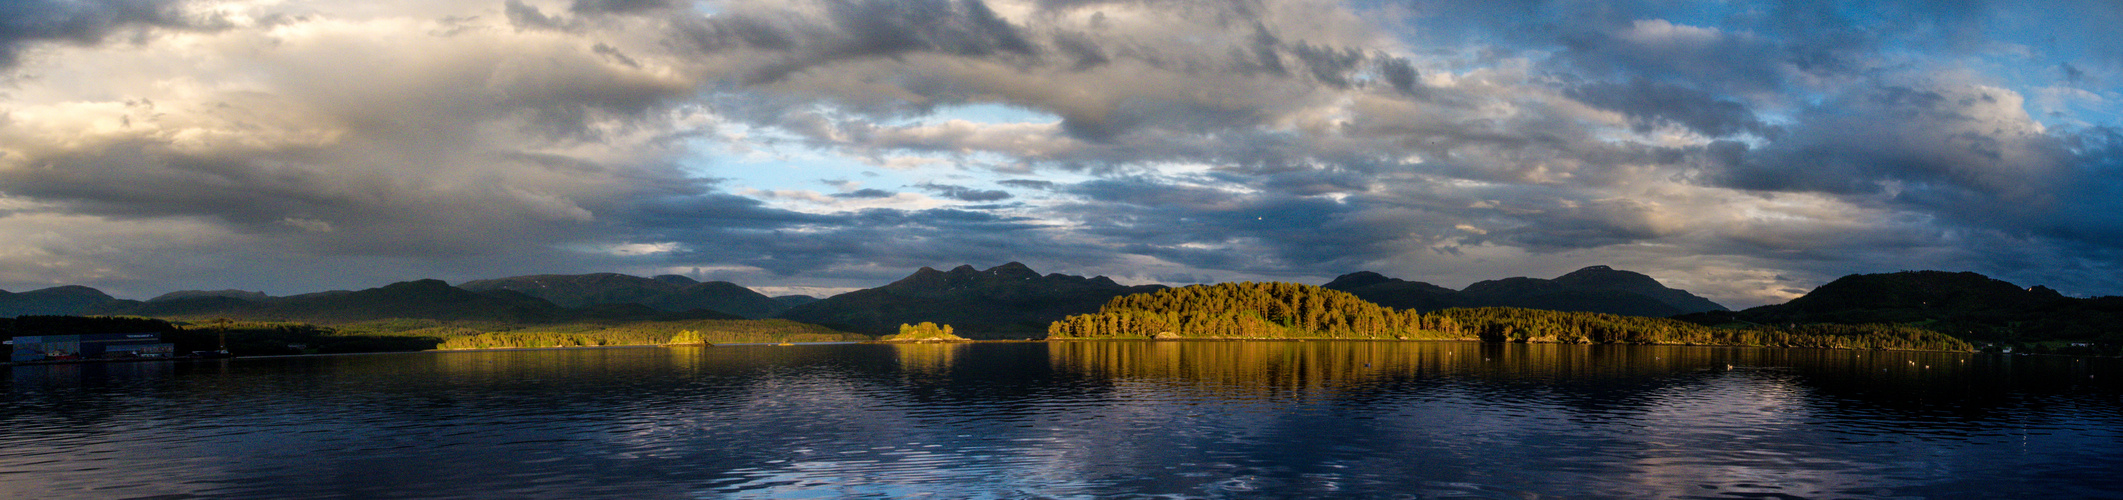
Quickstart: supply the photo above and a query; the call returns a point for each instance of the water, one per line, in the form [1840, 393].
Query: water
[1082, 419]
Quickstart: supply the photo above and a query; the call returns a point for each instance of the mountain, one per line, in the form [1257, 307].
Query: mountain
[423, 299]
[418, 299]
[232, 294]
[1006, 301]
[1396, 293]
[668, 292]
[1912, 294]
[61, 300]
[1968, 305]
[795, 300]
[1592, 289]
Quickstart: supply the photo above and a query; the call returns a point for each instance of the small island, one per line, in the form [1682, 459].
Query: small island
[924, 332]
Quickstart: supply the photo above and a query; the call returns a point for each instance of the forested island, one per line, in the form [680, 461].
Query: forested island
[924, 332]
[1294, 311]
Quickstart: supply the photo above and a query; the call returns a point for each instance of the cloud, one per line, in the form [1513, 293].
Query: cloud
[1439, 140]
[963, 193]
[1027, 183]
[26, 23]
[1940, 144]
[866, 193]
[1650, 105]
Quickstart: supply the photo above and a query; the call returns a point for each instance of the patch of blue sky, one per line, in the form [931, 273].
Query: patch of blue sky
[707, 7]
[794, 167]
[767, 159]
[993, 113]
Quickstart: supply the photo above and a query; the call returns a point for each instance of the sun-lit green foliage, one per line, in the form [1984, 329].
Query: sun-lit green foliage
[1505, 324]
[1253, 310]
[1288, 310]
[710, 331]
[923, 332]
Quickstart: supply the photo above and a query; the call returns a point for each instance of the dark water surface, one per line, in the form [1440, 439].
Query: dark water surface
[1079, 419]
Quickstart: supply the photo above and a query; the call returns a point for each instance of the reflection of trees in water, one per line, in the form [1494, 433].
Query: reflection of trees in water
[922, 359]
[1645, 420]
[1357, 366]
[1594, 378]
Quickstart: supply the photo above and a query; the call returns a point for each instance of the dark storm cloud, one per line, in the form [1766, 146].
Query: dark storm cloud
[997, 57]
[734, 229]
[1217, 229]
[1977, 139]
[27, 22]
[1649, 104]
[864, 29]
[2090, 206]
[1400, 73]
[963, 193]
[866, 193]
[1082, 48]
[619, 6]
[1027, 184]
[1663, 51]
[524, 16]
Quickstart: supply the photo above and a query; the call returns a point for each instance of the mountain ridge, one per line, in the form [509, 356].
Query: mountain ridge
[669, 293]
[1010, 300]
[1597, 288]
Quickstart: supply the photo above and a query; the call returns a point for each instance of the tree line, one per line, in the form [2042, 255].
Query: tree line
[1290, 310]
[710, 331]
[925, 331]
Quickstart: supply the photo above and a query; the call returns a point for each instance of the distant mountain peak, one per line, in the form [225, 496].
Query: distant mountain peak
[71, 291]
[669, 293]
[231, 294]
[420, 284]
[1357, 279]
[59, 300]
[1608, 277]
[1916, 290]
[1016, 270]
[1592, 288]
[1010, 299]
[674, 279]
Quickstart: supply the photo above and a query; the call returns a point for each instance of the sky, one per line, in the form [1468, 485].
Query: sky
[1745, 151]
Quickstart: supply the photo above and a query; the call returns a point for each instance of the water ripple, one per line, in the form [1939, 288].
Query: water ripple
[1075, 420]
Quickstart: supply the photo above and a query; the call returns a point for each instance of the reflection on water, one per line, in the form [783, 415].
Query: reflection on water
[1072, 419]
[927, 358]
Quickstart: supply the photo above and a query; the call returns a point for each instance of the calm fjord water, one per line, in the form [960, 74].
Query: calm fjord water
[1076, 419]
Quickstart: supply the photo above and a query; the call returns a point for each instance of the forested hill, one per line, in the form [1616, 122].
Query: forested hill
[1592, 289]
[670, 293]
[1253, 310]
[1968, 305]
[1006, 301]
[1287, 310]
[418, 299]
[61, 300]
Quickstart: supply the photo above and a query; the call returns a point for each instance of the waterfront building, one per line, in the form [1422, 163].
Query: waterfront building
[91, 346]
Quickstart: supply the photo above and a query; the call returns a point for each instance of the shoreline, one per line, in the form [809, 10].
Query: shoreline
[996, 341]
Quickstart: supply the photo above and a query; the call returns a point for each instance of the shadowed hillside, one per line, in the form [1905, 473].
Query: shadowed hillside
[671, 293]
[1598, 289]
[1007, 301]
[1968, 305]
